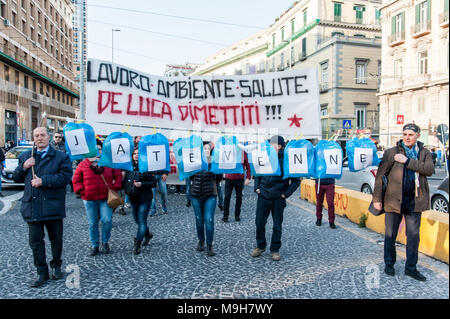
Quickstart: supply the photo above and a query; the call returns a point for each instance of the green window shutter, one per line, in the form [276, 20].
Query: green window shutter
[393, 25]
[445, 5]
[403, 22]
[337, 9]
[428, 10]
[417, 14]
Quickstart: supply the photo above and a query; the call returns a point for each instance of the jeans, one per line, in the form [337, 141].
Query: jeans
[238, 185]
[219, 194]
[392, 222]
[140, 214]
[204, 217]
[328, 191]
[37, 243]
[188, 189]
[263, 209]
[98, 210]
[163, 190]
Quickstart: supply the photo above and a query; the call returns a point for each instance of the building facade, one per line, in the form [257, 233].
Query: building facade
[180, 69]
[342, 39]
[36, 67]
[415, 72]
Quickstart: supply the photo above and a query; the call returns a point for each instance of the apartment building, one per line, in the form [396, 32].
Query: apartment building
[36, 67]
[342, 39]
[415, 71]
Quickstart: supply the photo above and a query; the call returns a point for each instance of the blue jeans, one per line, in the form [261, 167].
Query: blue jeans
[219, 194]
[98, 210]
[140, 214]
[163, 190]
[204, 217]
[188, 188]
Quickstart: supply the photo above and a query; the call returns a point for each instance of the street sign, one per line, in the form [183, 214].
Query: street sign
[400, 119]
[442, 133]
[363, 131]
[347, 124]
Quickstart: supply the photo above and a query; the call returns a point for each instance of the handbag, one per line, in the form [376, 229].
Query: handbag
[114, 199]
[372, 209]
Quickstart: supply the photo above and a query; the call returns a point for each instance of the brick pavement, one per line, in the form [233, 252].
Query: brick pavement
[317, 262]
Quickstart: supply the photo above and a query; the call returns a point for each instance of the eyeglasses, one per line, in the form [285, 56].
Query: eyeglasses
[58, 136]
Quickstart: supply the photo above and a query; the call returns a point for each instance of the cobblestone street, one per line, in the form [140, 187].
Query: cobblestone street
[317, 262]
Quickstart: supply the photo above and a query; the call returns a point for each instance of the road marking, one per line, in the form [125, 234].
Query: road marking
[8, 200]
[359, 234]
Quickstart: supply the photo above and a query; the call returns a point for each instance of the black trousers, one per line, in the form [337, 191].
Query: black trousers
[263, 209]
[238, 185]
[392, 223]
[37, 243]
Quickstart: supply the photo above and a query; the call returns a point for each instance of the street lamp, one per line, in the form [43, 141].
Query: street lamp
[112, 43]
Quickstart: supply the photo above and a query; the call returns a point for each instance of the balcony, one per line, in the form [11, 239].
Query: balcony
[396, 39]
[420, 29]
[443, 19]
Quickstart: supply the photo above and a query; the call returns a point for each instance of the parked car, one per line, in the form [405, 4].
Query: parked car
[439, 200]
[361, 181]
[11, 162]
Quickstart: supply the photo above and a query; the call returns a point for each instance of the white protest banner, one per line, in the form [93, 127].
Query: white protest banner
[247, 104]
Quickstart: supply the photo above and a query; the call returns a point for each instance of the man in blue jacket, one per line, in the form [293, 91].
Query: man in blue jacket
[46, 175]
[272, 193]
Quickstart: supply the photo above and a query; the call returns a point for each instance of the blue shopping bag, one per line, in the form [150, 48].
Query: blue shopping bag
[116, 151]
[263, 160]
[328, 156]
[299, 159]
[361, 153]
[227, 156]
[80, 141]
[189, 155]
[154, 154]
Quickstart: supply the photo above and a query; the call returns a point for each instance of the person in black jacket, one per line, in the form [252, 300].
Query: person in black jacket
[272, 193]
[45, 175]
[138, 186]
[203, 193]
[2, 158]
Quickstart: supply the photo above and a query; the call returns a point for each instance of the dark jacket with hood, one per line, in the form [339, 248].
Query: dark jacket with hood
[139, 194]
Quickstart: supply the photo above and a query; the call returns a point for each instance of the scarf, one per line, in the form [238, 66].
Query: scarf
[413, 154]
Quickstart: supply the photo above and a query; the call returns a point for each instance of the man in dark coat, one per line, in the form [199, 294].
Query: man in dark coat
[272, 193]
[46, 175]
[407, 195]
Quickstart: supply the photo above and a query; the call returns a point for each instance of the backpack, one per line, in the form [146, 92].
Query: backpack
[128, 184]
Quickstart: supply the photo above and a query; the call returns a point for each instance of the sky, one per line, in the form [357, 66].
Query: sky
[151, 37]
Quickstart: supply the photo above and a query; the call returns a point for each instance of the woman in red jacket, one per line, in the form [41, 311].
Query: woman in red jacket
[88, 182]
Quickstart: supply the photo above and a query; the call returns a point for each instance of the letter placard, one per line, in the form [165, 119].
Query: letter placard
[76, 140]
[261, 162]
[192, 159]
[120, 150]
[298, 161]
[363, 158]
[333, 159]
[156, 157]
[227, 157]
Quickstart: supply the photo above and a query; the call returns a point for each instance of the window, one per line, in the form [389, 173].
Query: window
[17, 78]
[25, 81]
[273, 40]
[377, 16]
[6, 72]
[423, 62]
[14, 19]
[305, 17]
[292, 55]
[360, 112]
[423, 16]
[33, 83]
[41, 88]
[282, 34]
[304, 47]
[292, 26]
[324, 74]
[282, 60]
[421, 104]
[273, 64]
[2, 9]
[398, 68]
[398, 27]
[359, 14]
[10, 125]
[361, 71]
[337, 12]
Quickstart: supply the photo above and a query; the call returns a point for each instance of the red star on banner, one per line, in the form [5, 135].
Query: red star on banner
[295, 120]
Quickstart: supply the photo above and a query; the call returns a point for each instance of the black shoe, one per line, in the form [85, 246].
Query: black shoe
[148, 235]
[188, 204]
[225, 219]
[201, 245]
[319, 222]
[94, 252]
[56, 273]
[42, 279]
[332, 225]
[137, 246]
[389, 270]
[106, 249]
[237, 218]
[415, 274]
[209, 251]
[221, 208]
